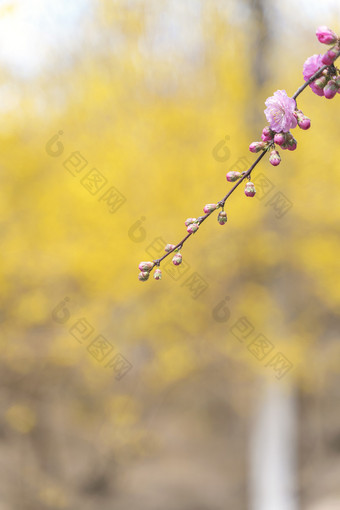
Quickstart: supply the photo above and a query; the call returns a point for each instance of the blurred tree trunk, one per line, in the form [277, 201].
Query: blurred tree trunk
[272, 454]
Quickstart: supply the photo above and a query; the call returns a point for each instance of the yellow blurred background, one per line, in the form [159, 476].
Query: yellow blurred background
[120, 119]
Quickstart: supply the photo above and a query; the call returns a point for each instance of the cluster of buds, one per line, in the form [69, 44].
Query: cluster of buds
[328, 82]
[192, 225]
[284, 138]
[326, 36]
[145, 268]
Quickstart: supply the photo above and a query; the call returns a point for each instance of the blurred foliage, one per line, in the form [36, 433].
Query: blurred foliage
[146, 109]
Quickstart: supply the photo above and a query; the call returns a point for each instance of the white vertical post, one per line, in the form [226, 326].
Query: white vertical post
[273, 451]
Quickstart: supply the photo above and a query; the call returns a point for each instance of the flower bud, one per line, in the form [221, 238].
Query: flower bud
[330, 90]
[267, 134]
[257, 146]
[143, 276]
[157, 274]
[304, 123]
[222, 217]
[329, 57]
[249, 189]
[188, 221]
[319, 83]
[209, 207]
[177, 259]
[279, 138]
[291, 143]
[325, 35]
[274, 158]
[146, 266]
[233, 176]
[302, 120]
[193, 227]
[169, 247]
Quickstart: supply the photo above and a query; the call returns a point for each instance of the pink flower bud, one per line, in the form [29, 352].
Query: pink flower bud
[329, 57]
[169, 247]
[146, 266]
[274, 158]
[267, 134]
[279, 138]
[303, 121]
[325, 35]
[177, 259]
[157, 274]
[337, 81]
[319, 83]
[143, 276]
[249, 189]
[222, 217]
[233, 176]
[292, 144]
[188, 221]
[257, 146]
[192, 228]
[209, 207]
[330, 90]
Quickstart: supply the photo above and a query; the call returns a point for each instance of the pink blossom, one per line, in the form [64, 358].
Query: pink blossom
[310, 67]
[280, 112]
[325, 35]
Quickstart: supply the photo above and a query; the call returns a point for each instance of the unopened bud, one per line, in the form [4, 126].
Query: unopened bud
[267, 134]
[304, 123]
[177, 259]
[274, 158]
[169, 247]
[279, 138]
[331, 89]
[193, 227]
[257, 146]
[302, 120]
[157, 274]
[222, 217]
[146, 266]
[233, 176]
[319, 83]
[249, 189]
[143, 276]
[292, 144]
[329, 57]
[188, 221]
[209, 207]
[325, 35]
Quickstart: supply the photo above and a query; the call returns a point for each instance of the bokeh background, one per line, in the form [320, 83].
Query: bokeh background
[217, 387]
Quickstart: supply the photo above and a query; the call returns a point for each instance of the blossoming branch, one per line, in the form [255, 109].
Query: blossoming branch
[282, 114]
